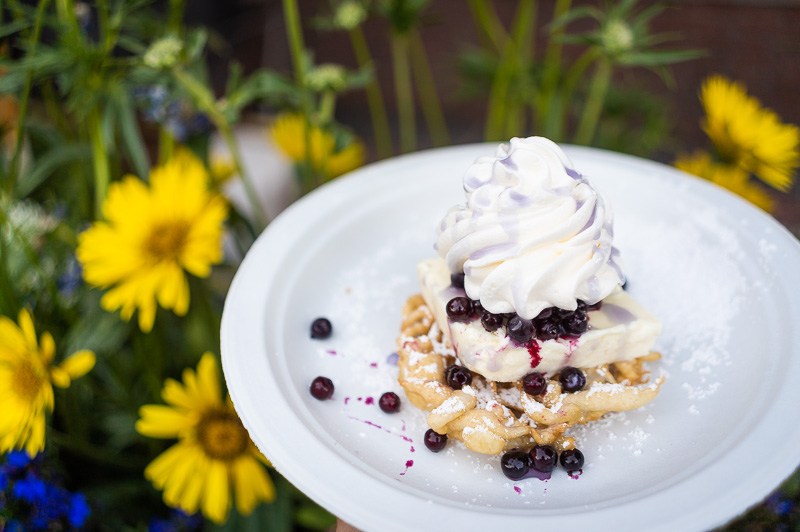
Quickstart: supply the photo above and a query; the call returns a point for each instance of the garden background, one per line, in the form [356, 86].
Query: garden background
[144, 145]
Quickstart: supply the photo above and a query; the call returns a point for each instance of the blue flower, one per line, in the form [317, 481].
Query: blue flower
[18, 459]
[78, 510]
[779, 505]
[178, 521]
[30, 489]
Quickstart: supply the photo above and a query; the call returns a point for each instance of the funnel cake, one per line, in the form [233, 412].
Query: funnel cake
[491, 417]
[522, 328]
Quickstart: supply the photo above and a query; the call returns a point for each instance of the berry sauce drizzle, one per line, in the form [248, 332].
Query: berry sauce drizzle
[375, 425]
[409, 464]
[517, 489]
[575, 475]
[533, 350]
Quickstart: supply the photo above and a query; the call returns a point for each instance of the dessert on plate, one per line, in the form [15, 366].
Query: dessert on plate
[523, 328]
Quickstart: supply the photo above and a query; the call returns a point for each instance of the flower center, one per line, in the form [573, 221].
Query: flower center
[222, 435]
[166, 241]
[27, 382]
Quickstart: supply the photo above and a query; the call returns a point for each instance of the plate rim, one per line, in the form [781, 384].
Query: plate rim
[330, 496]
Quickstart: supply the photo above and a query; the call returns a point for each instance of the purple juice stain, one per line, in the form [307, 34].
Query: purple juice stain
[392, 359]
[412, 449]
[372, 424]
[575, 475]
[409, 464]
[346, 400]
[331, 352]
[373, 364]
[517, 489]
[369, 401]
[532, 473]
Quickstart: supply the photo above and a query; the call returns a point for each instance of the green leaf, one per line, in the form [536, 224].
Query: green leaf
[657, 58]
[96, 329]
[131, 135]
[264, 85]
[314, 517]
[194, 45]
[13, 27]
[47, 164]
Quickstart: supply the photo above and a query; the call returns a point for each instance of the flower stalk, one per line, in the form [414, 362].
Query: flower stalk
[404, 92]
[375, 101]
[598, 89]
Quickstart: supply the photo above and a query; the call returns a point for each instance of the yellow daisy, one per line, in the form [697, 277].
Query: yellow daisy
[214, 455]
[731, 177]
[748, 135]
[288, 134]
[152, 236]
[27, 376]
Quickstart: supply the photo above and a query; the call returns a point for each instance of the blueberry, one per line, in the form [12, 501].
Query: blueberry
[321, 388]
[477, 307]
[534, 383]
[520, 330]
[459, 308]
[457, 280]
[572, 379]
[546, 313]
[321, 328]
[457, 376]
[548, 330]
[515, 464]
[572, 460]
[543, 458]
[389, 402]
[491, 322]
[576, 323]
[594, 306]
[435, 441]
[582, 304]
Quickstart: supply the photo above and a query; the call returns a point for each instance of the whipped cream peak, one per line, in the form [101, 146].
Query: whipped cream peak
[532, 234]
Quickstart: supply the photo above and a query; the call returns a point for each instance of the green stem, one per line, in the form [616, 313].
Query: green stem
[93, 452]
[14, 169]
[259, 212]
[205, 102]
[9, 303]
[404, 92]
[166, 145]
[486, 18]
[428, 97]
[102, 174]
[594, 102]
[547, 103]
[327, 107]
[563, 100]
[375, 101]
[503, 115]
[176, 9]
[294, 33]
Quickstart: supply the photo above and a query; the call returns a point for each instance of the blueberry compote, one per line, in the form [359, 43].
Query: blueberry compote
[551, 323]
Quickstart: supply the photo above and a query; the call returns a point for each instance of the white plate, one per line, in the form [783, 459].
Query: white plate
[720, 274]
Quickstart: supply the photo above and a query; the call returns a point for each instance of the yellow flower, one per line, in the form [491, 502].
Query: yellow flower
[222, 169]
[27, 376]
[748, 135]
[731, 177]
[214, 454]
[151, 237]
[288, 134]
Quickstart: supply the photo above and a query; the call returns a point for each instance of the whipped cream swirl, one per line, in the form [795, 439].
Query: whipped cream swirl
[533, 233]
